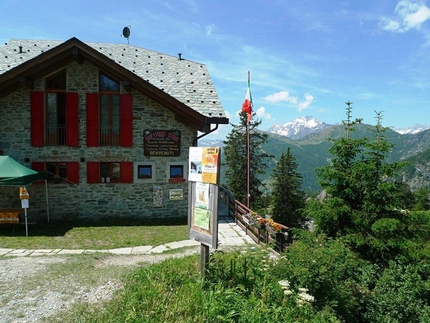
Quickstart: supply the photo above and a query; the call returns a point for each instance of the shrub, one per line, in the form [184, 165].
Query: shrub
[331, 272]
[401, 294]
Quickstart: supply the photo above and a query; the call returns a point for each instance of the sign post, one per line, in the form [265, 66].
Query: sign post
[203, 177]
[24, 196]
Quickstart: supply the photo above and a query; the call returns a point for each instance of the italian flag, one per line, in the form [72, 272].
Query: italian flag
[247, 104]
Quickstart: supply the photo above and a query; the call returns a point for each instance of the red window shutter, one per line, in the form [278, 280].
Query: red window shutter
[39, 166]
[73, 172]
[126, 172]
[92, 119]
[37, 108]
[72, 125]
[93, 172]
[126, 117]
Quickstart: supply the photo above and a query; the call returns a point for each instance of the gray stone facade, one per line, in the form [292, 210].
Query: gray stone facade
[93, 201]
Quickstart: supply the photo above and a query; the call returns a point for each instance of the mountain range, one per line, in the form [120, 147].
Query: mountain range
[311, 149]
[303, 126]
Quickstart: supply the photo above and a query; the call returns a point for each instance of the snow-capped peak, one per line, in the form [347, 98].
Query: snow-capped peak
[298, 128]
[412, 130]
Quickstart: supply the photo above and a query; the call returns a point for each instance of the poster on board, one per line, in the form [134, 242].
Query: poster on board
[204, 164]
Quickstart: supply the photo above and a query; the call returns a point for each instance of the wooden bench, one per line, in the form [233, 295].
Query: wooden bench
[10, 216]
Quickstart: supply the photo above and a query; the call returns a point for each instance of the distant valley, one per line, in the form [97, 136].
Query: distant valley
[311, 150]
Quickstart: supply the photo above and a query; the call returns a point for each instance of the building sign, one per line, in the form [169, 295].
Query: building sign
[163, 143]
[177, 180]
[176, 194]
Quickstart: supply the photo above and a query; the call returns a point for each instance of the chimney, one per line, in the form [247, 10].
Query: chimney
[180, 56]
[20, 49]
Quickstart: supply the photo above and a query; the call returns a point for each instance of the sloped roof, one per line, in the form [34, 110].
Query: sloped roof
[181, 85]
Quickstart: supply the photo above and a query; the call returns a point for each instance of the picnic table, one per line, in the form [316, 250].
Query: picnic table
[10, 216]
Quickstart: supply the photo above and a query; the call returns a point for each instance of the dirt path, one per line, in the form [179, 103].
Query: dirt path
[33, 289]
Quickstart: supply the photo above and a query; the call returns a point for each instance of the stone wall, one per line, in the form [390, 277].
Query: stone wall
[93, 201]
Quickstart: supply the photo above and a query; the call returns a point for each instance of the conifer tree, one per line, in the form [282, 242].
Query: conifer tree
[288, 199]
[364, 200]
[235, 151]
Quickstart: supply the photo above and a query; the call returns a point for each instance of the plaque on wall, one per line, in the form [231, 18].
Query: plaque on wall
[157, 196]
[161, 143]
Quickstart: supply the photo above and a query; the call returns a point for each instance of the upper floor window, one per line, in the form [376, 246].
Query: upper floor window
[107, 84]
[109, 115]
[109, 111]
[55, 123]
[54, 113]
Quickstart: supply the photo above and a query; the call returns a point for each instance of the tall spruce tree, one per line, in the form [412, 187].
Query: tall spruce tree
[235, 151]
[288, 200]
[363, 200]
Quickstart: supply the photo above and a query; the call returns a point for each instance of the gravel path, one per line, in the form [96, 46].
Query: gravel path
[34, 288]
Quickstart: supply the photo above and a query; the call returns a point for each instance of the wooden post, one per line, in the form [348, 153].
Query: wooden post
[204, 260]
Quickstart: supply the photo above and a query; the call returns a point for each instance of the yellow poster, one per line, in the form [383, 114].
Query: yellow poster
[210, 157]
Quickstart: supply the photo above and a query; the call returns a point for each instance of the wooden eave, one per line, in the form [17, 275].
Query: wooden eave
[73, 49]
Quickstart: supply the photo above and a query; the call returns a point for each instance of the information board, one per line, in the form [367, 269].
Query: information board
[203, 198]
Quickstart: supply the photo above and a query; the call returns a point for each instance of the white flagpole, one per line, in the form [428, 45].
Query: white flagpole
[248, 147]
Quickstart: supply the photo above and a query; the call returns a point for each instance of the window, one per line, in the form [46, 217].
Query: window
[55, 125]
[144, 172]
[59, 172]
[54, 114]
[176, 172]
[109, 115]
[109, 172]
[109, 111]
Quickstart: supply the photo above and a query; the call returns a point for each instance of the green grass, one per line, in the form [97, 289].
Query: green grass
[237, 289]
[91, 235]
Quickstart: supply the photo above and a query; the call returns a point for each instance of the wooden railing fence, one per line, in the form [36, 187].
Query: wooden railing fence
[259, 228]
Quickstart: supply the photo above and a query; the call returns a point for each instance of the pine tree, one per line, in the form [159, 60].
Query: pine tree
[235, 150]
[288, 198]
[364, 200]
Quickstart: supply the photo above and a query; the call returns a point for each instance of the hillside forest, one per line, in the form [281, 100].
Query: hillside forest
[366, 258]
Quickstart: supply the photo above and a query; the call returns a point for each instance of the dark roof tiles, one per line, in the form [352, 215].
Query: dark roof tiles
[187, 81]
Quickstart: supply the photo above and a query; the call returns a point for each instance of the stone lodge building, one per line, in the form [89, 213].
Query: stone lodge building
[111, 125]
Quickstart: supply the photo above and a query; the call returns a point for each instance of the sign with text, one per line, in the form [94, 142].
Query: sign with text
[203, 177]
[203, 213]
[204, 165]
[163, 143]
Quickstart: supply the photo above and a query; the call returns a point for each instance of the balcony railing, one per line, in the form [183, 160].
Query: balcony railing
[55, 135]
[109, 135]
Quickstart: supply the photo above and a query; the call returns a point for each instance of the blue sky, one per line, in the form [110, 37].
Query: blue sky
[305, 57]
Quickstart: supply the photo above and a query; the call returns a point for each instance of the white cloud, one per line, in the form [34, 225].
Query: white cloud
[409, 14]
[210, 29]
[308, 100]
[261, 113]
[282, 96]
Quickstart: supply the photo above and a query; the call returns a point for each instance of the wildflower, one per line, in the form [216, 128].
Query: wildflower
[287, 292]
[285, 284]
[306, 297]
